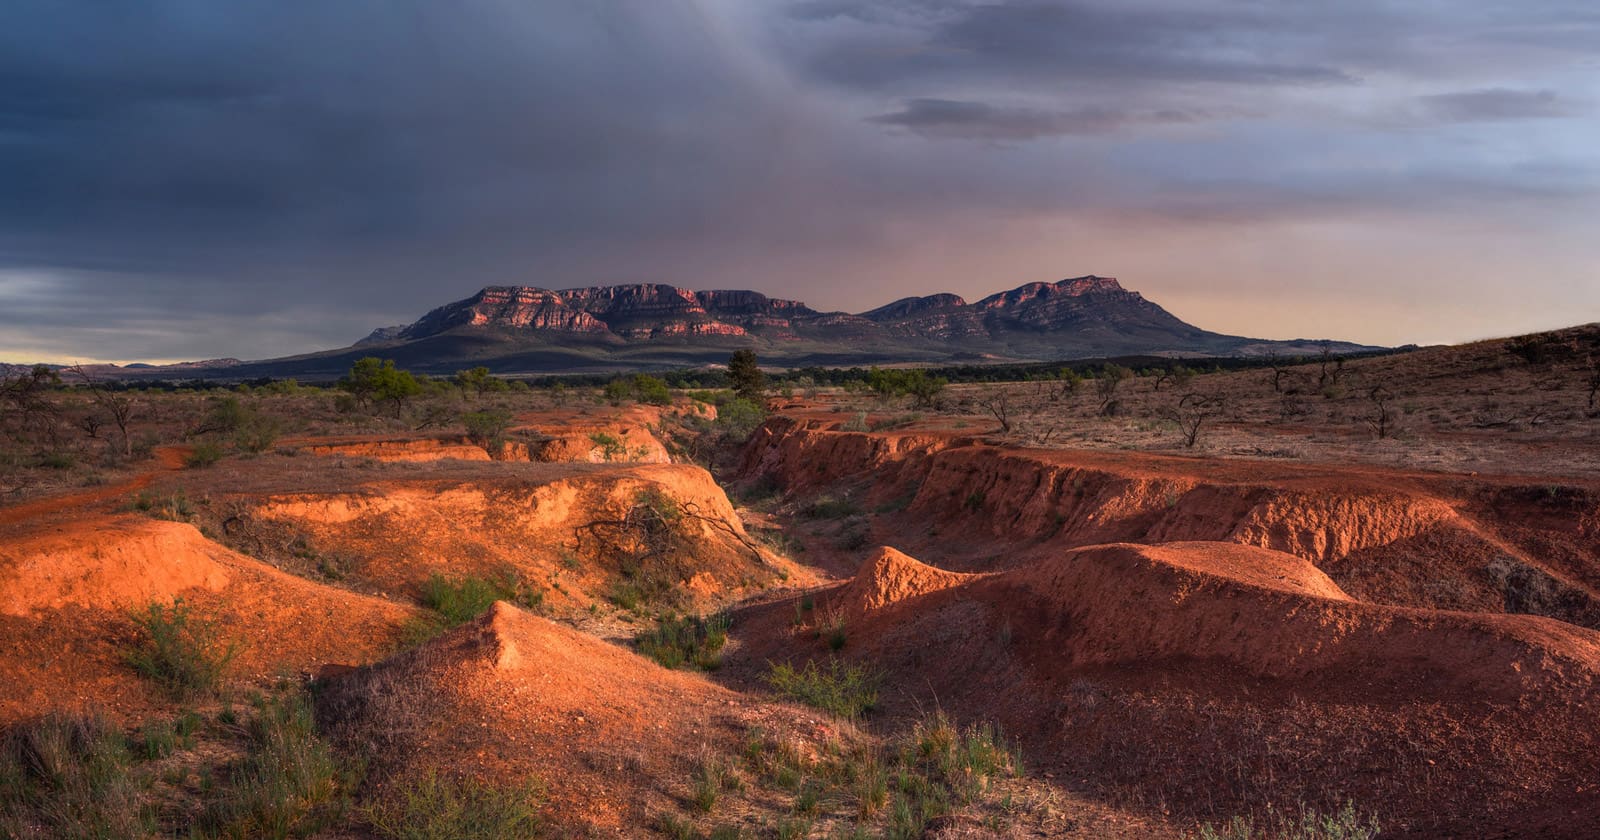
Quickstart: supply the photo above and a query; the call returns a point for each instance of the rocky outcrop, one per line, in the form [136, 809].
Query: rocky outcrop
[518, 307]
[1088, 315]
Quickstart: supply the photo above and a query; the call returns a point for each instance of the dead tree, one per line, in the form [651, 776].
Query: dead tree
[1381, 421]
[1330, 368]
[90, 424]
[26, 411]
[1594, 380]
[118, 406]
[1191, 413]
[647, 539]
[998, 403]
[1280, 370]
[1111, 379]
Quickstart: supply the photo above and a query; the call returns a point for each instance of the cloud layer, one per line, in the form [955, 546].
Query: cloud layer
[186, 179]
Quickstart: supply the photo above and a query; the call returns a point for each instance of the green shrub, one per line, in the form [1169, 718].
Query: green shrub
[439, 807]
[288, 784]
[893, 790]
[688, 640]
[459, 600]
[71, 777]
[848, 691]
[611, 447]
[59, 461]
[226, 415]
[203, 455]
[738, 419]
[258, 435]
[187, 656]
[651, 391]
[1344, 824]
[829, 507]
[174, 506]
[487, 428]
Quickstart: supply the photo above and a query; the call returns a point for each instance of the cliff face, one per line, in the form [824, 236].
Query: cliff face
[518, 307]
[1079, 317]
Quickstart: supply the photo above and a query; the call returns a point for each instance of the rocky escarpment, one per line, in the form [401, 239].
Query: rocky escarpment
[1210, 675]
[1402, 543]
[1077, 317]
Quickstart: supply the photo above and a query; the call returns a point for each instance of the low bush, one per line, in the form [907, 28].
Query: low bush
[830, 507]
[1347, 823]
[891, 790]
[848, 691]
[439, 807]
[71, 777]
[689, 640]
[203, 455]
[289, 783]
[186, 655]
[456, 600]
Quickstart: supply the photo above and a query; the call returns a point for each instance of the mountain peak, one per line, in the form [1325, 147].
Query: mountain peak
[1078, 317]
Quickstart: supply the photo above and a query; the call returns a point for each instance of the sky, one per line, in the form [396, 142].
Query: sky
[188, 179]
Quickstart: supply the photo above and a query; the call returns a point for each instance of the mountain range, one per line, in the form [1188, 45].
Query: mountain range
[526, 329]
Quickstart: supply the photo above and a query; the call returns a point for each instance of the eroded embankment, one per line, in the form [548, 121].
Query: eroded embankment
[1213, 677]
[513, 696]
[573, 537]
[67, 595]
[1389, 539]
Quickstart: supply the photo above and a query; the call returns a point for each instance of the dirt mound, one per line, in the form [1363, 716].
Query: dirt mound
[562, 534]
[1218, 677]
[68, 595]
[513, 696]
[107, 563]
[889, 577]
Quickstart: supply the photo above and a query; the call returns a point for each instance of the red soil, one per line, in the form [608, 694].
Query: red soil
[1352, 522]
[167, 458]
[398, 532]
[66, 594]
[513, 696]
[1219, 675]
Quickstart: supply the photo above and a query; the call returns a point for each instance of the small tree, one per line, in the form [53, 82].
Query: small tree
[25, 410]
[1070, 381]
[1109, 381]
[1381, 421]
[1191, 412]
[1330, 368]
[374, 380]
[1179, 376]
[745, 376]
[924, 389]
[478, 381]
[1592, 365]
[998, 403]
[1280, 371]
[487, 428]
[651, 390]
[119, 407]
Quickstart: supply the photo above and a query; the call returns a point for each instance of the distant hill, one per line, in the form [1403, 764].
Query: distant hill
[525, 329]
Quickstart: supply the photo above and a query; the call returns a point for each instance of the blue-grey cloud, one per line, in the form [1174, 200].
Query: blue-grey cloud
[956, 119]
[171, 166]
[1496, 105]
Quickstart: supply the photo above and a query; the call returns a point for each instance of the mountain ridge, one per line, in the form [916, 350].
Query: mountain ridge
[531, 329]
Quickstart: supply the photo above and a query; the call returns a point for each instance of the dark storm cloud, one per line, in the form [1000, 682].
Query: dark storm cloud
[210, 157]
[1071, 42]
[947, 118]
[188, 178]
[1496, 105]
